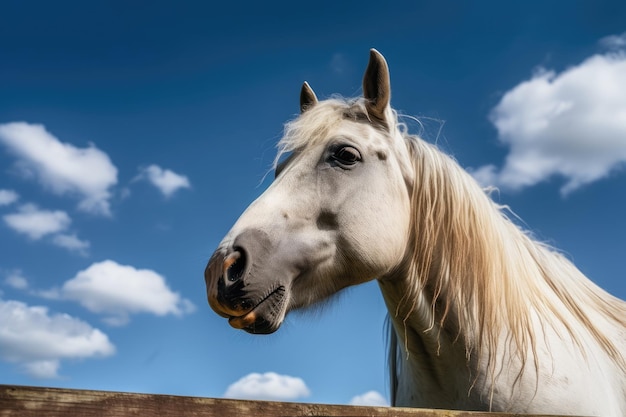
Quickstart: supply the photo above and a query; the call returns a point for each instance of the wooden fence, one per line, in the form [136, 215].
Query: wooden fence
[48, 402]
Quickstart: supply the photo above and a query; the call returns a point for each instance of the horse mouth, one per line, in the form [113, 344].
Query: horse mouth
[265, 317]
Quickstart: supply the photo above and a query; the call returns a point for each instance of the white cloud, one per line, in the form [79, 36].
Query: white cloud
[570, 124]
[38, 341]
[268, 386]
[120, 290]
[370, 398]
[46, 369]
[72, 243]
[167, 181]
[8, 197]
[62, 167]
[36, 223]
[16, 280]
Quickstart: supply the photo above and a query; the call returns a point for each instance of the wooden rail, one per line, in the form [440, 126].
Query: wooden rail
[48, 402]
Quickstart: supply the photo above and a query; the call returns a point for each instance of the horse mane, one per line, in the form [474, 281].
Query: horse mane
[491, 273]
[479, 266]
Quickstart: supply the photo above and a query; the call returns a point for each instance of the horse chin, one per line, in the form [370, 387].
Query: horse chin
[266, 317]
[262, 326]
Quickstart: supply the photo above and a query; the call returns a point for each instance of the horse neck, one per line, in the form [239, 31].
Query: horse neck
[472, 285]
[427, 360]
[433, 295]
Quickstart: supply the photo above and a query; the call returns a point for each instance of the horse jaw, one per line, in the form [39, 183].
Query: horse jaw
[255, 290]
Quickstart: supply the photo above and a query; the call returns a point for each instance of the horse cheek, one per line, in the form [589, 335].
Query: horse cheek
[376, 239]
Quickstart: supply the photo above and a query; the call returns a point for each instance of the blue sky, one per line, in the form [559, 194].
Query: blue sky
[133, 134]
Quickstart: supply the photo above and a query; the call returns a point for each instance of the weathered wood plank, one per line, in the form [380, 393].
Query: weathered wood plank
[51, 402]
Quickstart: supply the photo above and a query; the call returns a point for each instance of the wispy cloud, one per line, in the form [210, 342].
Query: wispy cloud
[72, 243]
[614, 41]
[15, 279]
[570, 124]
[339, 64]
[165, 180]
[62, 167]
[370, 398]
[8, 197]
[117, 291]
[268, 386]
[37, 340]
[36, 223]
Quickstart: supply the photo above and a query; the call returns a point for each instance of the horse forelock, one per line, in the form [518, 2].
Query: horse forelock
[316, 124]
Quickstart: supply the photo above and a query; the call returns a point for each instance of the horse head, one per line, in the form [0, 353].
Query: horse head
[337, 213]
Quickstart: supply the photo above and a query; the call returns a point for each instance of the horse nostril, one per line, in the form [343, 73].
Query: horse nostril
[235, 265]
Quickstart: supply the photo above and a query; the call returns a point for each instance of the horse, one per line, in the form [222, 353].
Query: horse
[482, 315]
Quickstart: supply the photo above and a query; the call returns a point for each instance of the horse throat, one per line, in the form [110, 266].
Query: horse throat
[429, 350]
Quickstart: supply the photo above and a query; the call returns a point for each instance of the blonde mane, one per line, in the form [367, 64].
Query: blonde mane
[477, 264]
[492, 274]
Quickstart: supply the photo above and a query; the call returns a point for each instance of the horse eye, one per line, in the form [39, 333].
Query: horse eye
[346, 155]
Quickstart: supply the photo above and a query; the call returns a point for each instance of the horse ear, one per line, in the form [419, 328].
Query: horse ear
[307, 97]
[376, 85]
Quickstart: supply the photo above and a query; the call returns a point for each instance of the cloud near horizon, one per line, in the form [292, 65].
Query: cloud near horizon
[38, 341]
[60, 167]
[370, 398]
[268, 386]
[570, 124]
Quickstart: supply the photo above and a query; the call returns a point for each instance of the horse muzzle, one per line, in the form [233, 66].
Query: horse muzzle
[241, 287]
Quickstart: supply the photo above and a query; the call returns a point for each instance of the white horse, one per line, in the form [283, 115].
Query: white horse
[483, 317]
